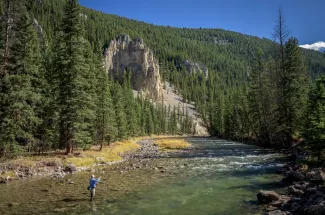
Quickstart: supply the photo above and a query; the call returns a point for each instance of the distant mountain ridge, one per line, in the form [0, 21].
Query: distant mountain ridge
[231, 54]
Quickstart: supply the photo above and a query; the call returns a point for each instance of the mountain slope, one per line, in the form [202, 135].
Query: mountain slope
[229, 53]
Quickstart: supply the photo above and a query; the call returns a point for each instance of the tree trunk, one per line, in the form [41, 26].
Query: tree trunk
[69, 148]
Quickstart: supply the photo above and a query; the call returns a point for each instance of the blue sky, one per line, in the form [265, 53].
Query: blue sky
[304, 18]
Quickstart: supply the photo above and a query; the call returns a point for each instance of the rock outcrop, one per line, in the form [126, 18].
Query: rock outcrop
[39, 31]
[193, 67]
[123, 54]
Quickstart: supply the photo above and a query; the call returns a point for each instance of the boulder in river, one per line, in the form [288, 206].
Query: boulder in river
[11, 204]
[265, 197]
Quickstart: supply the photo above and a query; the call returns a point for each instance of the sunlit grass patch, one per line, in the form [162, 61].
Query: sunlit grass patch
[80, 161]
[172, 144]
[25, 161]
[9, 173]
[109, 153]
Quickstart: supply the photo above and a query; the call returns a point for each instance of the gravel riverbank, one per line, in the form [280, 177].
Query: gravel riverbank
[55, 169]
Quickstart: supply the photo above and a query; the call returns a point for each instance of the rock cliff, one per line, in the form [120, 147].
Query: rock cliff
[123, 54]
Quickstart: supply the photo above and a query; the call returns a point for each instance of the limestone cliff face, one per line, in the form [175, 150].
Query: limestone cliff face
[125, 54]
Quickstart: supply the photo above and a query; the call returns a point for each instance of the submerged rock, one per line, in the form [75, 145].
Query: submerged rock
[279, 212]
[11, 204]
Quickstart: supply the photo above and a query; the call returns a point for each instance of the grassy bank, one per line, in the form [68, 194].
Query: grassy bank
[109, 153]
[88, 158]
[172, 143]
[80, 158]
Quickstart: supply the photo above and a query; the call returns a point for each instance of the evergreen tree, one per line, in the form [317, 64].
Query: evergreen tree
[150, 123]
[19, 70]
[130, 106]
[314, 128]
[75, 99]
[121, 119]
[105, 124]
[293, 91]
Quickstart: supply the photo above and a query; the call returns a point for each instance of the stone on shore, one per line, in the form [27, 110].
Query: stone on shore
[70, 168]
[316, 175]
[293, 177]
[294, 191]
[266, 197]
[318, 209]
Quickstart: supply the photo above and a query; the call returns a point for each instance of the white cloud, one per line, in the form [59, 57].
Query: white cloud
[318, 46]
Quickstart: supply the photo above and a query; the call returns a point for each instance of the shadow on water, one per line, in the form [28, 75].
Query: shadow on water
[257, 186]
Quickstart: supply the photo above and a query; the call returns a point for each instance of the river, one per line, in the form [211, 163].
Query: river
[219, 177]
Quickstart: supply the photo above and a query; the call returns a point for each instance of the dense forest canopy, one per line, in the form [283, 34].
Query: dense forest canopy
[220, 50]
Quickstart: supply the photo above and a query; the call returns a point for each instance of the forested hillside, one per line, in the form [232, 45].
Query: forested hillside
[55, 93]
[220, 50]
[256, 88]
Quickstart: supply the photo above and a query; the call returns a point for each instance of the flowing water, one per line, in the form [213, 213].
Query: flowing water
[220, 177]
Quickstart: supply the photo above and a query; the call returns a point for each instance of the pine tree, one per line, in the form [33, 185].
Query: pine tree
[130, 106]
[75, 99]
[19, 70]
[293, 91]
[314, 128]
[105, 124]
[121, 119]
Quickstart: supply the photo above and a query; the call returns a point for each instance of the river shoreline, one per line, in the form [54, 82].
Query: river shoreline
[52, 169]
[303, 192]
[210, 176]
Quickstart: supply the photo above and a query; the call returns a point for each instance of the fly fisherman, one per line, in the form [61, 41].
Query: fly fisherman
[92, 186]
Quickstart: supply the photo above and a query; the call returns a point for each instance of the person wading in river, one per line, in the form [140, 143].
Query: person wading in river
[92, 186]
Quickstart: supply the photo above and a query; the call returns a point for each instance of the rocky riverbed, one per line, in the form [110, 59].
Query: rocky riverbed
[211, 177]
[303, 192]
[56, 169]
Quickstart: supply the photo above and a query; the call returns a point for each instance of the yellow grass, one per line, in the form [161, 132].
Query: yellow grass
[108, 154]
[8, 173]
[88, 158]
[32, 161]
[171, 143]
